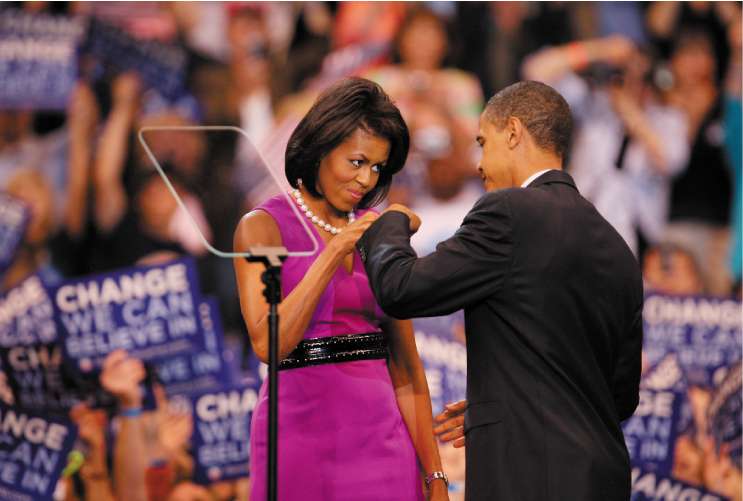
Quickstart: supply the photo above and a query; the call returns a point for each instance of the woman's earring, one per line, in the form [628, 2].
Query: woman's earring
[299, 181]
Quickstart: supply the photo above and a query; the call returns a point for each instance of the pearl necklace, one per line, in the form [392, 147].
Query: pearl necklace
[316, 220]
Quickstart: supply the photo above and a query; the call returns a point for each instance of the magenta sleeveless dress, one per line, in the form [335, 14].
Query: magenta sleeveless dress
[341, 434]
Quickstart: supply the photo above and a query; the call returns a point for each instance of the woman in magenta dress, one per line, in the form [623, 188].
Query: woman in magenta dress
[355, 422]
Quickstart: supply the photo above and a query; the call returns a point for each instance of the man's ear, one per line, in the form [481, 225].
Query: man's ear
[515, 132]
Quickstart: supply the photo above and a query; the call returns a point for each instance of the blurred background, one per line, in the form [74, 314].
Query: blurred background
[655, 89]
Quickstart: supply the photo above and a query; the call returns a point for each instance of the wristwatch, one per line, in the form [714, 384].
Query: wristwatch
[435, 475]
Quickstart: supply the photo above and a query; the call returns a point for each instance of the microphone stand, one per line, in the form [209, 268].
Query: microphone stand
[272, 258]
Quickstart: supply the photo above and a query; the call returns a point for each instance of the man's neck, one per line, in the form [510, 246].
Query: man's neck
[536, 161]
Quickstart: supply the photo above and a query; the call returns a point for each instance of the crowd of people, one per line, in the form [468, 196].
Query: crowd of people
[655, 91]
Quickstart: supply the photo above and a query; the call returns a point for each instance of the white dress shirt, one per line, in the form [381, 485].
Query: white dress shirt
[533, 177]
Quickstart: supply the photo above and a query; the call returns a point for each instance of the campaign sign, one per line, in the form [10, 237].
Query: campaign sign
[202, 369]
[241, 362]
[651, 432]
[38, 59]
[33, 452]
[444, 358]
[29, 349]
[221, 432]
[651, 486]
[149, 311]
[14, 216]
[704, 332]
[160, 66]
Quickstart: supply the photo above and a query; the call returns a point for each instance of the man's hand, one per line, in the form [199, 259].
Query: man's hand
[450, 426]
[415, 221]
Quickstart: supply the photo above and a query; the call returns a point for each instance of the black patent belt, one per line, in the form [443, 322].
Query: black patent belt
[335, 349]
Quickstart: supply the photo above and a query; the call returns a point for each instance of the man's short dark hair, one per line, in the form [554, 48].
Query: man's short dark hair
[346, 106]
[540, 108]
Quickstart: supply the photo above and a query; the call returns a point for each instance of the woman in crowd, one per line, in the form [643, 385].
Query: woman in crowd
[351, 426]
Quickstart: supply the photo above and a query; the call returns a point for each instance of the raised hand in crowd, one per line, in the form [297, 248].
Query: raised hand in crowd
[121, 376]
[719, 473]
[450, 427]
[91, 425]
[111, 154]
[550, 64]
[173, 428]
[82, 119]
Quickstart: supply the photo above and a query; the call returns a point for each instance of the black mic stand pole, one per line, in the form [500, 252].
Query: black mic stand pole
[272, 258]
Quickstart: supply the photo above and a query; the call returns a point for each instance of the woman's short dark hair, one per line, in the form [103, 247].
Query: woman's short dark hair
[346, 106]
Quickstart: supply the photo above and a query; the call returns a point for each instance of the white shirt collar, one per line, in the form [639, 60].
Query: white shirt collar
[533, 177]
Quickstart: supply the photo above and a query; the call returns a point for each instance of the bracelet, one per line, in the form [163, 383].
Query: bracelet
[131, 412]
[437, 475]
[577, 54]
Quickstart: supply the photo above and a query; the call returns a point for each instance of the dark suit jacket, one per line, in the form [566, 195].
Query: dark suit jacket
[553, 306]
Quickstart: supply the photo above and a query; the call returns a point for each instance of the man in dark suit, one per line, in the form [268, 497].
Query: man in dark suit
[553, 304]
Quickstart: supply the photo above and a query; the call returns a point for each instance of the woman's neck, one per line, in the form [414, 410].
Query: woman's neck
[324, 209]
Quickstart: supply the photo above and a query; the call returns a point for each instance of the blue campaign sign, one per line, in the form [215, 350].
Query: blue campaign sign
[221, 432]
[14, 217]
[33, 452]
[651, 486]
[161, 66]
[444, 358]
[700, 338]
[651, 432]
[704, 332]
[29, 350]
[204, 368]
[149, 311]
[38, 59]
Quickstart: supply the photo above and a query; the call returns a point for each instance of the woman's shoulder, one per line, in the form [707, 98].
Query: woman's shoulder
[257, 227]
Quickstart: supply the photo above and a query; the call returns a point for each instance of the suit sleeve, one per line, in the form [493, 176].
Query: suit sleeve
[626, 378]
[468, 267]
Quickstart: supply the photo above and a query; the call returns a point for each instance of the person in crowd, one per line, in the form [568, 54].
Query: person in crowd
[251, 94]
[665, 20]
[698, 458]
[94, 473]
[360, 23]
[421, 45]
[447, 190]
[352, 426]
[129, 197]
[628, 144]
[32, 187]
[733, 126]
[553, 307]
[700, 204]
[121, 376]
[670, 269]
[497, 36]
[58, 208]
